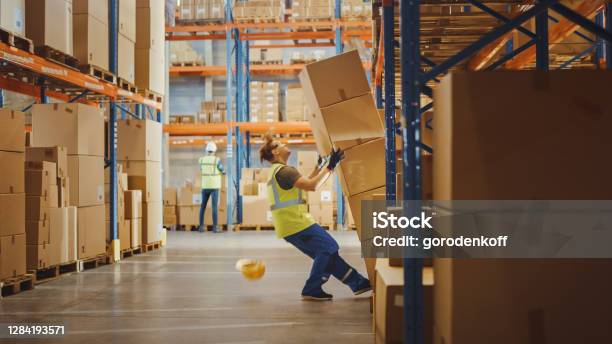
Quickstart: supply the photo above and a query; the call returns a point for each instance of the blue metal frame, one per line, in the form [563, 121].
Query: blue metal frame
[542, 53]
[608, 23]
[599, 49]
[228, 102]
[338, 15]
[379, 97]
[339, 49]
[1, 98]
[43, 91]
[247, 96]
[582, 21]
[578, 56]
[113, 32]
[239, 118]
[389, 87]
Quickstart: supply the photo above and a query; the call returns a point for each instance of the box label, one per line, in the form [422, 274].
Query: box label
[196, 199]
[326, 196]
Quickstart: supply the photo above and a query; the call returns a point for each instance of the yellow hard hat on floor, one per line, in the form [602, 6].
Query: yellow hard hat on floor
[251, 269]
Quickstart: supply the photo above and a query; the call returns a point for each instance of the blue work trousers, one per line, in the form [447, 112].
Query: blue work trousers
[206, 194]
[316, 243]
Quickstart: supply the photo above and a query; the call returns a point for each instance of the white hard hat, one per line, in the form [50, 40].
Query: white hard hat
[211, 147]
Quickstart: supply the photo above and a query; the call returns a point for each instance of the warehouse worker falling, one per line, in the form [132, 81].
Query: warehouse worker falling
[292, 222]
[211, 170]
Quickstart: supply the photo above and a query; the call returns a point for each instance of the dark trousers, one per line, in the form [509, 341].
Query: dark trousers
[206, 194]
[316, 243]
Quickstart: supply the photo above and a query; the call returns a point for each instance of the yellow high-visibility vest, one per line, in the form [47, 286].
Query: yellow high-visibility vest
[211, 176]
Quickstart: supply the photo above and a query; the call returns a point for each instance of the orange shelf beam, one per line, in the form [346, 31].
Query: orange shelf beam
[198, 143]
[266, 26]
[269, 69]
[278, 36]
[219, 129]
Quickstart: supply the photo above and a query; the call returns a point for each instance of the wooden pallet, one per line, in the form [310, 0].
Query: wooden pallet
[150, 247]
[301, 61]
[98, 73]
[15, 285]
[130, 252]
[188, 64]
[126, 85]
[57, 56]
[151, 95]
[92, 263]
[258, 20]
[17, 41]
[52, 272]
[187, 228]
[257, 228]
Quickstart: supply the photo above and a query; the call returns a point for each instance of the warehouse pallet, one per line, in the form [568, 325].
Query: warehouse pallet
[52, 272]
[15, 285]
[188, 64]
[126, 85]
[16, 41]
[130, 252]
[301, 61]
[152, 246]
[206, 21]
[92, 263]
[268, 62]
[99, 73]
[257, 20]
[57, 56]
[258, 228]
[151, 95]
[187, 228]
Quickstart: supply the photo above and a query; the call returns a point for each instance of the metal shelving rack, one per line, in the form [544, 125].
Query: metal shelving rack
[478, 44]
[25, 73]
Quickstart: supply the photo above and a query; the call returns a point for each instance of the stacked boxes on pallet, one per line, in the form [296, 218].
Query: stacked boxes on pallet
[91, 32]
[356, 9]
[49, 23]
[258, 10]
[188, 201]
[170, 218]
[133, 218]
[196, 10]
[12, 197]
[150, 40]
[312, 9]
[264, 101]
[79, 128]
[296, 108]
[139, 149]
[255, 204]
[126, 46]
[12, 16]
[211, 112]
[122, 186]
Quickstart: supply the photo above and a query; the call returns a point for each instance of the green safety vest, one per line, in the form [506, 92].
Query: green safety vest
[289, 207]
[211, 176]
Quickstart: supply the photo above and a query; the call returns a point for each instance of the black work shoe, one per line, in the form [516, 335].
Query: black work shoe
[363, 287]
[320, 296]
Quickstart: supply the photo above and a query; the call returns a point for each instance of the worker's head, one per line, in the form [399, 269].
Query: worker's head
[211, 147]
[273, 150]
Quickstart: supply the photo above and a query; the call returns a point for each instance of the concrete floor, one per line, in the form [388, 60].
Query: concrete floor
[189, 292]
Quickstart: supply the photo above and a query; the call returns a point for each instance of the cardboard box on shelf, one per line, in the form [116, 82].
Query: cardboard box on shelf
[95, 8]
[363, 168]
[86, 180]
[49, 23]
[91, 231]
[11, 175]
[133, 204]
[12, 256]
[12, 16]
[12, 123]
[12, 214]
[90, 45]
[78, 127]
[125, 51]
[170, 196]
[150, 26]
[139, 140]
[127, 19]
[135, 232]
[152, 223]
[148, 74]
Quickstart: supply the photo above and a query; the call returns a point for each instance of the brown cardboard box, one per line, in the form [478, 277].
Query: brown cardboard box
[11, 174]
[58, 224]
[95, 8]
[139, 140]
[256, 211]
[133, 204]
[90, 42]
[127, 19]
[68, 245]
[38, 183]
[170, 221]
[334, 80]
[57, 155]
[12, 124]
[151, 192]
[86, 180]
[12, 14]
[12, 214]
[91, 231]
[189, 196]
[151, 222]
[63, 185]
[37, 208]
[37, 256]
[169, 211]
[188, 215]
[125, 52]
[125, 237]
[355, 205]
[135, 232]
[12, 256]
[389, 303]
[49, 22]
[150, 28]
[322, 213]
[148, 74]
[78, 127]
[37, 232]
[170, 196]
[363, 168]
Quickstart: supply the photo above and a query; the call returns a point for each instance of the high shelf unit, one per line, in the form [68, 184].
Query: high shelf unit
[303, 34]
[26, 73]
[480, 39]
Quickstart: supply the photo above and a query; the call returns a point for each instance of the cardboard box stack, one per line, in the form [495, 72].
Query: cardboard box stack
[49, 23]
[198, 10]
[296, 108]
[212, 112]
[12, 14]
[126, 48]
[356, 9]
[255, 205]
[264, 101]
[170, 218]
[79, 128]
[478, 156]
[188, 201]
[267, 55]
[183, 54]
[123, 229]
[12, 196]
[139, 149]
[90, 33]
[150, 40]
[133, 218]
[266, 10]
[312, 9]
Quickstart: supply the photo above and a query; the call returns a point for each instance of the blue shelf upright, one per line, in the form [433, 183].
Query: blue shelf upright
[229, 117]
[389, 89]
[113, 29]
[339, 48]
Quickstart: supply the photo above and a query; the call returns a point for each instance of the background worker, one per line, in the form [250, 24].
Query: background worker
[211, 170]
[292, 222]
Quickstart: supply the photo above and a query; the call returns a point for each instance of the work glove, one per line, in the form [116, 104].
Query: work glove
[334, 158]
[319, 159]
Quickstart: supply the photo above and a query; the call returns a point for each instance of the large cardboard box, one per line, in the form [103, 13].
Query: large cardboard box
[139, 140]
[37, 232]
[256, 211]
[170, 196]
[12, 16]
[95, 8]
[125, 236]
[135, 232]
[12, 256]
[90, 40]
[152, 223]
[12, 214]
[78, 127]
[150, 26]
[49, 23]
[12, 172]
[68, 245]
[188, 215]
[57, 155]
[40, 177]
[150, 187]
[37, 256]
[12, 129]
[127, 19]
[58, 224]
[148, 74]
[86, 180]
[133, 204]
[91, 231]
[125, 51]
[189, 196]
[363, 168]
[355, 205]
